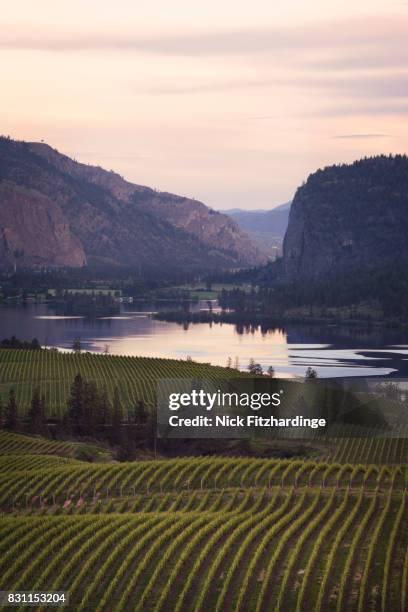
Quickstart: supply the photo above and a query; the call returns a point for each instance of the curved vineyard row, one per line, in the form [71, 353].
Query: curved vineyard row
[370, 449]
[26, 462]
[117, 562]
[80, 480]
[212, 533]
[11, 443]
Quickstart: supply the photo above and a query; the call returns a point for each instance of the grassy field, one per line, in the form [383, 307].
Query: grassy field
[205, 533]
[53, 373]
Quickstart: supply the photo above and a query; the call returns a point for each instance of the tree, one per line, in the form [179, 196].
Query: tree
[152, 430]
[90, 406]
[36, 416]
[229, 362]
[255, 368]
[117, 416]
[140, 414]
[271, 372]
[127, 449]
[11, 421]
[105, 408]
[76, 403]
[35, 345]
[1, 413]
[76, 345]
[236, 363]
[310, 374]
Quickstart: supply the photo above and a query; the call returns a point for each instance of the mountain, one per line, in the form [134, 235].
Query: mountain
[55, 211]
[266, 227]
[349, 218]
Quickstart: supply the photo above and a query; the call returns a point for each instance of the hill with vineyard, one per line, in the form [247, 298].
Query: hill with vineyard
[207, 533]
[53, 373]
[324, 529]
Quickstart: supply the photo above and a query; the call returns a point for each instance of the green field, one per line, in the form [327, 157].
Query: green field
[205, 533]
[53, 373]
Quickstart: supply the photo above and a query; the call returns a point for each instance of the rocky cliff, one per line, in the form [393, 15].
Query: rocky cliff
[55, 211]
[348, 218]
[26, 215]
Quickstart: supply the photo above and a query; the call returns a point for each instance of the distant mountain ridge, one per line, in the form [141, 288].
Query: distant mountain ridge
[267, 228]
[55, 211]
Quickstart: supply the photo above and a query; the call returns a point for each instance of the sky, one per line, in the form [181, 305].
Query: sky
[232, 103]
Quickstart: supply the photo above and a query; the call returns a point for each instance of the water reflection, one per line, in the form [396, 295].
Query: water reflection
[290, 350]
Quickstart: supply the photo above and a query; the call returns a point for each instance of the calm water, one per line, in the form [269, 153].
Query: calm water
[332, 352]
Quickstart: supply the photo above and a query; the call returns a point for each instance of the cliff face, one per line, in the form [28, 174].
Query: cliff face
[34, 231]
[90, 214]
[347, 218]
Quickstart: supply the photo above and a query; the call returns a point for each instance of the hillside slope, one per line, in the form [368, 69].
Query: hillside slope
[347, 218]
[95, 216]
[266, 228]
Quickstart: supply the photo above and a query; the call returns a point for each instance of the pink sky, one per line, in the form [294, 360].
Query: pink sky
[233, 103]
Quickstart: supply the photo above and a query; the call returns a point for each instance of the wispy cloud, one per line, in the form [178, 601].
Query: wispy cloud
[357, 33]
[368, 109]
[389, 85]
[372, 86]
[360, 136]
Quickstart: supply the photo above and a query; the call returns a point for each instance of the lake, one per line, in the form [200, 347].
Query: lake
[332, 351]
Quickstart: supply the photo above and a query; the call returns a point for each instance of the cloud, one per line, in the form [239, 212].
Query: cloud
[360, 136]
[389, 85]
[371, 86]
[350, 109]
[390, 32]
[391, 56]
[187, 88]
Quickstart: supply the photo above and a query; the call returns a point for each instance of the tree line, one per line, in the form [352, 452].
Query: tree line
[15, 343]
[384, 288]
[89, 414]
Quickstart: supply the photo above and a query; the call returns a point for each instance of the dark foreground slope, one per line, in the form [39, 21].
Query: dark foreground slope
[57, 212]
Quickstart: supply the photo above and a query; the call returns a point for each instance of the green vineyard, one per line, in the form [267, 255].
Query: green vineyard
[53, 373]
[207, 533]
[11, 444]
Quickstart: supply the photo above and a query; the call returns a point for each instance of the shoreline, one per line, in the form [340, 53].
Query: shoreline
[274, 322]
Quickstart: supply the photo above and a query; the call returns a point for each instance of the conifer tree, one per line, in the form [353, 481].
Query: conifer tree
[104, 408]
[11, 421]
[140, 413]
[36, 415]
[127, 449]
[90, 403]
[151, 428]
[117, 416]
[76, 403]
